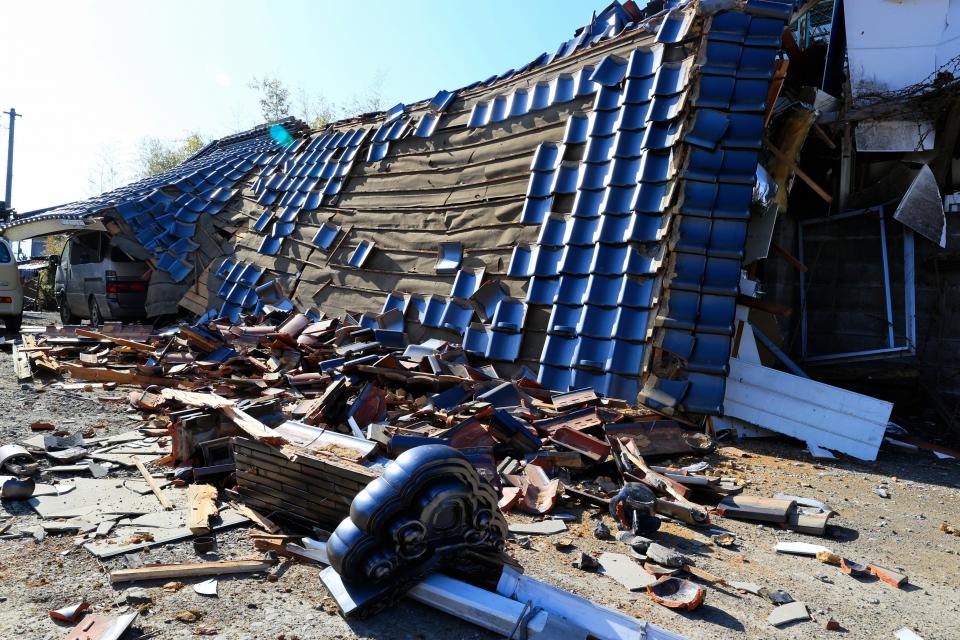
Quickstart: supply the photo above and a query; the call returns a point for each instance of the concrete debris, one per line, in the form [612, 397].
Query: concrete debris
[137, 596]
[206, 588]
[724, 539]
[541, 528]
[777, 597]
[587, 563]
[745, 587]
[663, 556]
[626, 571]
[788, 613]
[12, 488]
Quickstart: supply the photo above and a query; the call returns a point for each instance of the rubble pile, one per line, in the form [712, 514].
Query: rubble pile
[411, 453]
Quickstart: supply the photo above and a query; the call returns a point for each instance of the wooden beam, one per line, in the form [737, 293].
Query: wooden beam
[165, 571]
[261, 521]
[112, 375]
[930, 446]
[782, 157]
[252, 427]
[786, 255]
[824, 138]
[765, 305]
[164, 500]
[194, 399]
[773, 91]
[199, 341]
[203, 506]
[804, 8]
[123, 342]
[41, 359]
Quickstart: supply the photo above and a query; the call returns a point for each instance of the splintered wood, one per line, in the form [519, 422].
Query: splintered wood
[164, 500]
[164, 571]
[203, 506]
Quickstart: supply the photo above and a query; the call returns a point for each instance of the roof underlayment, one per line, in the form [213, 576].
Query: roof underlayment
[583, 216]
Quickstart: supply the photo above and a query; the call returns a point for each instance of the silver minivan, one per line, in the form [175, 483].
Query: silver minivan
[11, 288]
[99, 281]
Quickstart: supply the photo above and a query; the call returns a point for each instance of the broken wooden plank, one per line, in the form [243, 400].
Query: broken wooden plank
[164, 501]
[782, 157]
[21, 364]
[200, 341]
[789, 257]
[252, 427]
[111, 375]
[194, 399]
[40, 359]
[261, 521]
[164, 571]
[203, 506]
[123, 342]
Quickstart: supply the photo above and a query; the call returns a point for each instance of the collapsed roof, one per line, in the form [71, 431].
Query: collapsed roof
[583, 216]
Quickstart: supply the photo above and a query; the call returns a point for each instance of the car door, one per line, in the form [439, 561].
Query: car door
[62, 279]
[94, 276]
[78, 265]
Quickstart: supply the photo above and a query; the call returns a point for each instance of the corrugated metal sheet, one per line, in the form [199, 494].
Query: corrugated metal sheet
[802, 408]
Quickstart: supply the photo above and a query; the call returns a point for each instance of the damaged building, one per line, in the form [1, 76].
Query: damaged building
[591, 218]
[692, 220]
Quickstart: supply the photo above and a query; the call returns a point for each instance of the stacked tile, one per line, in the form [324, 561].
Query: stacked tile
[639, 211]
[711, 207]
[166, 224]
[643, 212]
[305, 177]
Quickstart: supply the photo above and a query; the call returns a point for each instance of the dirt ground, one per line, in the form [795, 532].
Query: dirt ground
[902, 531]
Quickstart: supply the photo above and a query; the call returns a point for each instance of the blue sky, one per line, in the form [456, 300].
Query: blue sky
[94, 78]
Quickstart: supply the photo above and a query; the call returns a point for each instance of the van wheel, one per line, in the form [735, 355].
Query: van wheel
[96, 318]
[12, 323]
[66, 316]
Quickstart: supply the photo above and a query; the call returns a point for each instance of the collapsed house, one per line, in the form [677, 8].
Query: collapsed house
[583, 216]
[656, 233]
[627, 213]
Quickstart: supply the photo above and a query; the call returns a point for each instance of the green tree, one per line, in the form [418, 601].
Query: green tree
[370, 100]
[157, 156]
[277, 101]
[274, 98]
[315, 110]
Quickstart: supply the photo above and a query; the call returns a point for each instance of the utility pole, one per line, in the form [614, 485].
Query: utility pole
[13, 120]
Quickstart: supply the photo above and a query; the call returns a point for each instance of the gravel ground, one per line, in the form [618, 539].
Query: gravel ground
[902, 531]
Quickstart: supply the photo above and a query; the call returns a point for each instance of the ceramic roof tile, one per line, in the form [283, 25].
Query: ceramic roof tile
[641, 188]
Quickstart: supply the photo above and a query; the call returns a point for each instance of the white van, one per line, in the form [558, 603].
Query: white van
[11, 289]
